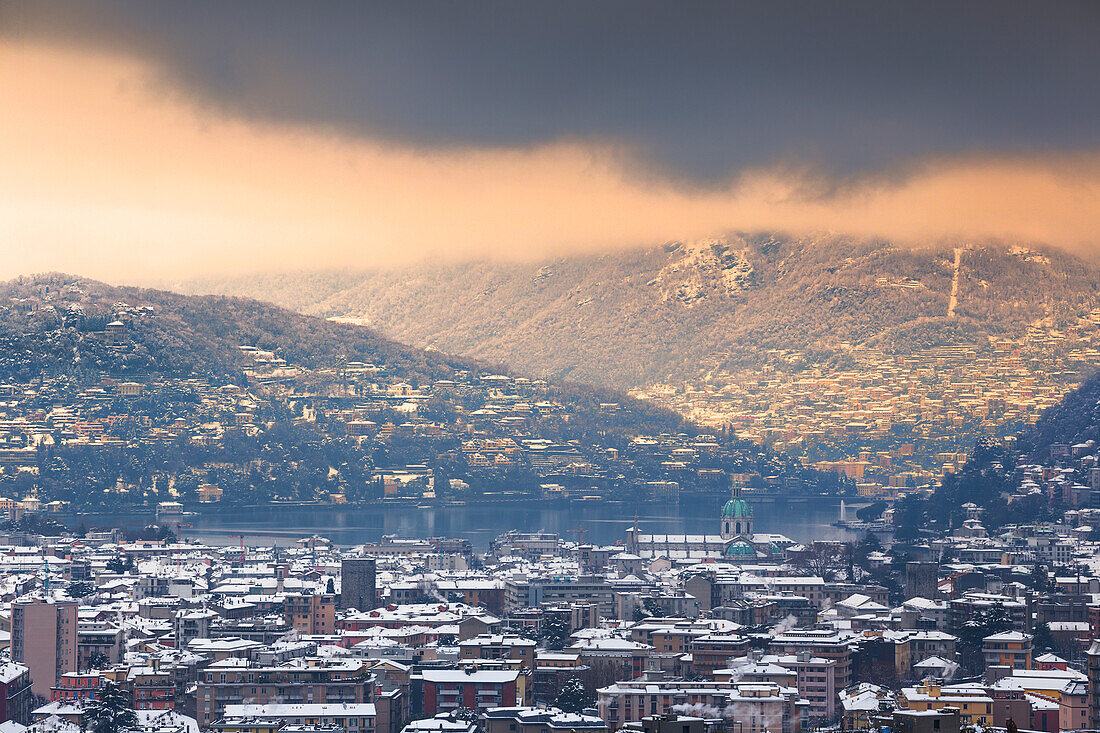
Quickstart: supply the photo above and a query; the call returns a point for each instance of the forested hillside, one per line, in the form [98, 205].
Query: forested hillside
[1075, 419]
[57, 326]
[116, 396]
[638, 317]
[992, 473]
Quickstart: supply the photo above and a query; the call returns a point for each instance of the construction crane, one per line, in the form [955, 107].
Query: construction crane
[180, 526]
[179, 537]
[580, 532]
[241, 538]
[340, 369]
[950, 579]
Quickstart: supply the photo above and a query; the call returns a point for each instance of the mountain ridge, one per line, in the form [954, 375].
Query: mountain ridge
[55, 323]
[668, 314]
[117, 396]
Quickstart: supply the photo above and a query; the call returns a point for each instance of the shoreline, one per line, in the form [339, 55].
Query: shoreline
[215, 508]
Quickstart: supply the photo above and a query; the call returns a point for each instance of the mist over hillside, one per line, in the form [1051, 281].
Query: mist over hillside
[674, 313]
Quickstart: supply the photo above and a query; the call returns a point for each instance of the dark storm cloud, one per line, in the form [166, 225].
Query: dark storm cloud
[698, 91]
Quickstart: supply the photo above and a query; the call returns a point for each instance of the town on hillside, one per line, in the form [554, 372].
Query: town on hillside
[733, 628]
[549, 367]
[269, 429]
[966, 597]
[893, 421]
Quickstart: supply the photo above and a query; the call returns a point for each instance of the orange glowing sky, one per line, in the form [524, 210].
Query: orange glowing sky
[107, 171]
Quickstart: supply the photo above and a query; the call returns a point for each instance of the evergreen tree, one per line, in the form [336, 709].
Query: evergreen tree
[466, 715]
[554, 632]
[109, 712]
[120, 564]
[573, 698]
[1043, 641]
[1040, 579]
[98, 660]
[984, 623]
[80, 589]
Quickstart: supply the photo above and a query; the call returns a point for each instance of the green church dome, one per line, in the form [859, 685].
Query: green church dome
[735, 508]
[740, 549]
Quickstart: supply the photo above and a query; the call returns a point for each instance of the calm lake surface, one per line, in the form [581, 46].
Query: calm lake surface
[605, 522]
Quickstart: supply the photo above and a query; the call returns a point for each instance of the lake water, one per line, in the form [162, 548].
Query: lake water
[604, 522]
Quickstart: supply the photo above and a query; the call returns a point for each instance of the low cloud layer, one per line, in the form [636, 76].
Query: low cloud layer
[108, 170]
[696, 91]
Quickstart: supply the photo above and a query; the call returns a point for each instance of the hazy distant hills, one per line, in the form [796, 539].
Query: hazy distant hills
[670, 313]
